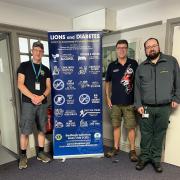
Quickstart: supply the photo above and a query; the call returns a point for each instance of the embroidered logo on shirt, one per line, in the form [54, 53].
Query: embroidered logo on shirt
[126, 80]
[116, 70]
[42, 73]
[164, 71]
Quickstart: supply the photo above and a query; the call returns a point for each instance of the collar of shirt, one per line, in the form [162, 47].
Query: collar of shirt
[117, 62]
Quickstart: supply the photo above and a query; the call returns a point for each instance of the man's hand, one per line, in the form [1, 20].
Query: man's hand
[33, 99]
[140, 110]
[37, 100]
[174, 104]
[109, 103]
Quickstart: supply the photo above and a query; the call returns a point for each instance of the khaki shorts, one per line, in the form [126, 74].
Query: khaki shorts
[125, 111]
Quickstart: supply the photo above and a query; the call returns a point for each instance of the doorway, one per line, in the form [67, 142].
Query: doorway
[172, 144]
[8, 121]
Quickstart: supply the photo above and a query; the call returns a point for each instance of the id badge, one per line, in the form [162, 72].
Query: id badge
[37, 86]
[145, 115]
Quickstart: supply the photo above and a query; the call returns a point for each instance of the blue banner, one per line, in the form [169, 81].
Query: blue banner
[76, 66]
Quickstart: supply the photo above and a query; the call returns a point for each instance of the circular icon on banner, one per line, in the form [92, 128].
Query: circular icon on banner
[58, 124]
[58, 84]
[84, 98]
[59, 100]
[58, 112]
[97, 135]
[58, 137]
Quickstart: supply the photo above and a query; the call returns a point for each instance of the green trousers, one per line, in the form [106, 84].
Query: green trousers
[153, 130]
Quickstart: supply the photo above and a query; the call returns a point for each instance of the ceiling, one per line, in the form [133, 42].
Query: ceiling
[74, 8]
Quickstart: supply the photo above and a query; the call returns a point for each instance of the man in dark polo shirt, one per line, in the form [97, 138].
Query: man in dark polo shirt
[34, 84]
[157, 90]
[119, 84]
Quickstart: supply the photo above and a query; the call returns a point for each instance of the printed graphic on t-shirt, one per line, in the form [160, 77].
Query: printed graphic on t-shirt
[126, 80]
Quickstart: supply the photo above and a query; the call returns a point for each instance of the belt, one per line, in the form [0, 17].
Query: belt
[157, 105]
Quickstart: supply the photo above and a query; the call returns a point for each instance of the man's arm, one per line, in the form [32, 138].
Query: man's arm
[137, 94]
[107, 93]
[39, 99]
[24, 90]
[48, 87]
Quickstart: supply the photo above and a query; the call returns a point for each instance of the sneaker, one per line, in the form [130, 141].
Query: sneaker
[132, 156]
[23, 161]
[43, 157]
[112, 153]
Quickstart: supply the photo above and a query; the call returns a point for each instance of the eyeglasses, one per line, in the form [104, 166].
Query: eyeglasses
[38, 51]
[151, 47]
[121, 48]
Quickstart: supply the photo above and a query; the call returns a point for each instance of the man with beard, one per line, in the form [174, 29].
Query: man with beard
[157, 90]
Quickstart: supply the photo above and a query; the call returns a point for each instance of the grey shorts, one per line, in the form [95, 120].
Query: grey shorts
[33, 114]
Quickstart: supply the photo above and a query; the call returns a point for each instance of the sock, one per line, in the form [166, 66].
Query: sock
[41, 149]
[23, 151]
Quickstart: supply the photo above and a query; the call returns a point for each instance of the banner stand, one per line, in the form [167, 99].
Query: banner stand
[76, 69]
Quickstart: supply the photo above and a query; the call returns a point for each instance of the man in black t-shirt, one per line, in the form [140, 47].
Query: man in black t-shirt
[120, 84]
[34, 84]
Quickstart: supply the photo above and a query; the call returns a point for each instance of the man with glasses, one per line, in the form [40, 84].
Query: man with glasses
[119, 90]
[157, 90]
[34, 84]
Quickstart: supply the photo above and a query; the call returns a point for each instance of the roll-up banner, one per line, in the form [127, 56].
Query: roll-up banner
[76, 67]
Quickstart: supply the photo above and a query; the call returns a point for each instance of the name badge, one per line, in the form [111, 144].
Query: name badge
[37, 86]
[116, 70]
[145, 115]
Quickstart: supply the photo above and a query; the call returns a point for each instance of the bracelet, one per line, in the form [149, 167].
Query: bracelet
[44, 95]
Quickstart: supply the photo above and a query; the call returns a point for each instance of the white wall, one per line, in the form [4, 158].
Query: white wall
[26, 17]
[90, 21]
[159, 10]
[97, 20]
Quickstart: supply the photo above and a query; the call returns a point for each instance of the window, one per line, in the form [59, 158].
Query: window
[25, 46]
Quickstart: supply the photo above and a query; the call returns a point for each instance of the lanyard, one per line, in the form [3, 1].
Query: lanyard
[37, 75]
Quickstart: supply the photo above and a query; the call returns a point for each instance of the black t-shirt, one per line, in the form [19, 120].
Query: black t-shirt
[26, 68]
[122, 78]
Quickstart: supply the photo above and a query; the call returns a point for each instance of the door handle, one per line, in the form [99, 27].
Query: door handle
[12, 101]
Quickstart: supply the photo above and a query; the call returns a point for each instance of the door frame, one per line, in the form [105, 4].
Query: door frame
[171, 23]
[6, 36]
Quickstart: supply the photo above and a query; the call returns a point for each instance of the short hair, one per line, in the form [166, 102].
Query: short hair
[122, 41]
[150, 39]
[38, 44]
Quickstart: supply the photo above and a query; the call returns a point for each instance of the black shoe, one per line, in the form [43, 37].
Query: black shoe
[157, 167]
[140, 165]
